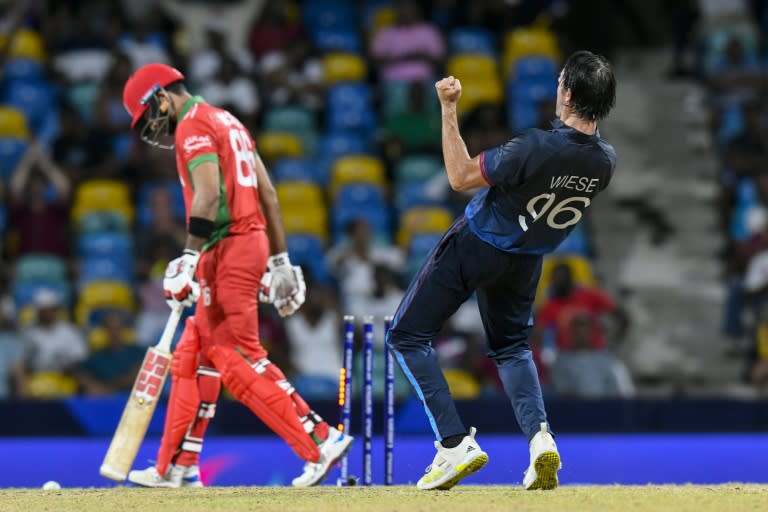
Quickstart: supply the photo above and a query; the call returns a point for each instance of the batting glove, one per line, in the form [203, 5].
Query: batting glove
[283, 285]
[179, 284]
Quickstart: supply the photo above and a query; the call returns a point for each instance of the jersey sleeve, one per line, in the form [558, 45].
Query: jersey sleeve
[197, 143]
[505, 164]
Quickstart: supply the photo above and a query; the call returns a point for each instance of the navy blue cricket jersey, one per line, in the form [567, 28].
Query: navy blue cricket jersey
[540, 184]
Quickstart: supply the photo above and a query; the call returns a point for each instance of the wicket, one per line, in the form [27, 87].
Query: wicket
[345, 400]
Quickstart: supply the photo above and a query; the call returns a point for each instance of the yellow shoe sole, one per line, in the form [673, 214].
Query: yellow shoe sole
[547, 466]
[464, 470]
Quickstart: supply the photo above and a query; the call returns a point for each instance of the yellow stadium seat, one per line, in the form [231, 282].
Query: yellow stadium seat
[27, 44]
[275, 145]
[357, 169]
[581, 269]
[97, 338]
[103, 294]
[102, 195]
[474, 94]
[463, 385]
[473, 66]
[299, 194]
[524, 42]
[28, 316]
[420, 220]
[13, 123]
[344, 67]
[44, 385]
[306, 222]
[384, 17]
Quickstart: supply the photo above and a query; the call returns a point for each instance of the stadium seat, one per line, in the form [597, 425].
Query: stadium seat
[13, 123]
[144, 211]
[40, 268]
[361, 193]
[379, 17]
[328, 14]
[417, 168]
[472, 67]
[535, 69]
[418, 249]
[103, 295]
[423, 220]
[362, 121]
[102, 221]
[580, 266]
[105, 245]
[102, 195]
[24, 292]
[523, 115]
[575, 243]
[50, 385]
[306, 221]
[275, 145]
[308, 251]
[531, 90]
[344, 67]
[377, 217]
[11, 152]
[410, 195]
[338, 144]
[349, 96]
[525, 42]
[98, 337]
[32, 98]
[291, 119]
[471, 40]
[299, 194]
[295, 169]
[336, 40]
[397, 98]
[357, 169]
[28, 70]
[476, 93]
[99, 268]
[27, 44]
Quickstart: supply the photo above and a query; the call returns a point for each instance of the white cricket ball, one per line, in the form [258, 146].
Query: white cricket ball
[51, 485]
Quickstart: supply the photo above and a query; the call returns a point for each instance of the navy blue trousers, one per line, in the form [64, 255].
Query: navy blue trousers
[458, 266]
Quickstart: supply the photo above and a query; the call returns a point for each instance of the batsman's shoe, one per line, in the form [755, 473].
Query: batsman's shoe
[177, 476]
[451, 465]
[331, 450]
[545, 462]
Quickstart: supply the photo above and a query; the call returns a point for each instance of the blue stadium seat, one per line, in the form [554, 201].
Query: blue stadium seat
[575, 243]
[362, 121]
[24, 292]
[350, 96]
[408, 195]
[336, 144]
[308, 251]
[34, 99]
[376, 216]
[11, 151]
[105, 245]
[295, 169]
[328, 40]
[99, 268]
[177, 197]
[539, 69]
[531, 90]
[471, 40]
[418, 249]
[28, 70]
[523, 115]
[360, 194]
[328, 14]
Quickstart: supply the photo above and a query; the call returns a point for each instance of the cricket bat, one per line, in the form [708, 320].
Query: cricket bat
[141, 405]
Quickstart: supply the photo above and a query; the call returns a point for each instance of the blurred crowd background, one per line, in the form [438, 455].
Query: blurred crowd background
[339, 97]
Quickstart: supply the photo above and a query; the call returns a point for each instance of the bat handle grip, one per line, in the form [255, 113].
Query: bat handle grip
[170, 329]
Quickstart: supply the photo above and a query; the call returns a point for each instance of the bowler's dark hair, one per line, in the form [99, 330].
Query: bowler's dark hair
[177, 87]
[592, 84]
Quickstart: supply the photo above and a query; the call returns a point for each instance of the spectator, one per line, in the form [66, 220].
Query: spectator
[10, 345]
[50, 345]
[417, 128]
[410, 50]
[383, 301]
[568, 301]
[153, 314]
[113, 368]
[292, 77]
[276, 32]
[231, 89]
[81, 150]
[111, 116]
[39, 220]
[353, 261]
[143, 45]
[314, 335]
[581, 371]
[164, 231]
[486, 127]
[204, 65]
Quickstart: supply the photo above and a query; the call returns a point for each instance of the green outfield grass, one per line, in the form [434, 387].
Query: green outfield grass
[731, 497]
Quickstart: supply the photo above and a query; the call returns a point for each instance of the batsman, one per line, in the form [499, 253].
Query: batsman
[235, 254]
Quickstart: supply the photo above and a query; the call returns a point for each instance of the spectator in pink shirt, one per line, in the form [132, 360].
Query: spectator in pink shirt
[411, 49]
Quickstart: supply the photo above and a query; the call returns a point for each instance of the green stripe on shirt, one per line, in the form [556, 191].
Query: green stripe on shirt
[201, 159]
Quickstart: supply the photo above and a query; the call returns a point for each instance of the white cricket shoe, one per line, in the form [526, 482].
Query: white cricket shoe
[331, 450]
[453, 464]
[545, 462]
[175, 477]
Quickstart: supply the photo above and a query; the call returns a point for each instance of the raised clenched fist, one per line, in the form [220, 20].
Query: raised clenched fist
[448, 90]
